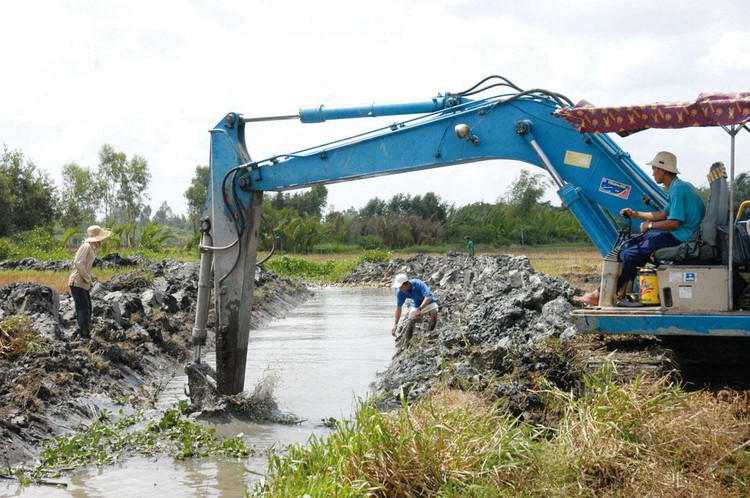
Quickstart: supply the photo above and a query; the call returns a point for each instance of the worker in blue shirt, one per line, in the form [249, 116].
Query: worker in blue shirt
[423, 301]
[678, 222]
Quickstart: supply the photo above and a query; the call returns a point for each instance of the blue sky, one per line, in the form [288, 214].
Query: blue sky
[151, 78]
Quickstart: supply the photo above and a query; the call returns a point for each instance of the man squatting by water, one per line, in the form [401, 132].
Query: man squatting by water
[81, 279]
[674, 225]
[423, 301]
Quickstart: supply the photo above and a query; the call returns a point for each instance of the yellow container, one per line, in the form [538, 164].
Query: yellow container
[648, 286]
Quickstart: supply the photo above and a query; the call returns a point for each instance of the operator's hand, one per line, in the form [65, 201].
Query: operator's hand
[418, 311]
[627, 213]
[393, 330]
[644, 227]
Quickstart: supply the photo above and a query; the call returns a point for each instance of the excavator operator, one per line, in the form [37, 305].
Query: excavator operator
[674, 225]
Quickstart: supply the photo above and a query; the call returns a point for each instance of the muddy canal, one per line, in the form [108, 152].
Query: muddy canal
[318, 360]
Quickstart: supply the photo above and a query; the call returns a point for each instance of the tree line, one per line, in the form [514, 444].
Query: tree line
[114, 194]
[408, 222]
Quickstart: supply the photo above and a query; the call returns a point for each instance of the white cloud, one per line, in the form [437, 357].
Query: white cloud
[730, 52]
[151, 78]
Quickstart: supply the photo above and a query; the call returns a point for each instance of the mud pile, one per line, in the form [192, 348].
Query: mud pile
[141, 332]
[502, 327]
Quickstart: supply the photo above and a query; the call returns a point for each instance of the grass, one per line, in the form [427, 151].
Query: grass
[647, 438]
[557, 261]
[57, 280]
[315, 267]
[17, 338]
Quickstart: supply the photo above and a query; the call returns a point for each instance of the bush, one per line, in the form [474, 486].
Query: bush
[36, 240]
[301, 268]
[6, 250]
[370, 242]
[39, 243]
[375, 256]
[336, 248]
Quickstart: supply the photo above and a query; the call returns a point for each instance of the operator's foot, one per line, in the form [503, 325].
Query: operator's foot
[590, 298]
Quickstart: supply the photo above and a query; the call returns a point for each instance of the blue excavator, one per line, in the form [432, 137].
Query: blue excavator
[594, 177]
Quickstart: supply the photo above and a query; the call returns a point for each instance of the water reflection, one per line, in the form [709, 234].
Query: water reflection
[322, 356]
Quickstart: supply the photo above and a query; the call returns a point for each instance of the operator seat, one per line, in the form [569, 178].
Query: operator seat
[703, 247]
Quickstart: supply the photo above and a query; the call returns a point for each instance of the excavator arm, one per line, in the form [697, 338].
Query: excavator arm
[594, 177]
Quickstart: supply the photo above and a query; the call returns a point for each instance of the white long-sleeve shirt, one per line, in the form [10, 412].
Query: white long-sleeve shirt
[82, 263]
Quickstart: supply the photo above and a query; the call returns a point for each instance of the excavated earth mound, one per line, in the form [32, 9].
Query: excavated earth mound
[502, 328]
[143, 319]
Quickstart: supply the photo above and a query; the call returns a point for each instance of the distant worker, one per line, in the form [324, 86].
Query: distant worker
[81, 279]
[470, 246]
[671, 227]
[423, 301]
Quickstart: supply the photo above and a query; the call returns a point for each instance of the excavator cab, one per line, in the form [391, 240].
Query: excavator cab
[691, 278]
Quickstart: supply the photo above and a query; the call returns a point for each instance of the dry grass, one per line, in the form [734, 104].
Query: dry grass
[17, 338]
[648, 438]
[57, 280]
[562, 262]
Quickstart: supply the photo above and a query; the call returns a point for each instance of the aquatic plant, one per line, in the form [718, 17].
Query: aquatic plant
[109, 439]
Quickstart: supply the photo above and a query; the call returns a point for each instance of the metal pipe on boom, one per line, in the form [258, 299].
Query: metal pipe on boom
[321, 113]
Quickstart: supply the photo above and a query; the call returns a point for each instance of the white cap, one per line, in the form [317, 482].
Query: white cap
[399, 280]
[666, 161]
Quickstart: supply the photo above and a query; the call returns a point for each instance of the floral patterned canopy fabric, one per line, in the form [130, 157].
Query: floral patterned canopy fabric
[709, 109]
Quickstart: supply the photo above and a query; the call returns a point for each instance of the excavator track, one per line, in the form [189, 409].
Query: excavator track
[695, 362]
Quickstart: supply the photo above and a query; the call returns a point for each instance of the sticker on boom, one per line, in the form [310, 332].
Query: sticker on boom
[612, 187]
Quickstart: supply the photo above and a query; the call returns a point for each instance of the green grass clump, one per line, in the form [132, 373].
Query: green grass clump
[374, 256]
[291, 266]
[106, 441]
[304, 269]
[329, 270]
[642, 439]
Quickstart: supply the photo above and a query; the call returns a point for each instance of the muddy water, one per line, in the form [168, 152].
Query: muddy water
[320, 359]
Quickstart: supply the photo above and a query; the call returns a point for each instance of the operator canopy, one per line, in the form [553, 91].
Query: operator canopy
[709, 109]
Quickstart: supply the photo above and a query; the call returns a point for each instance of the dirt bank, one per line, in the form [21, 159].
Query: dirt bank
[503, 329]
[143, 319]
